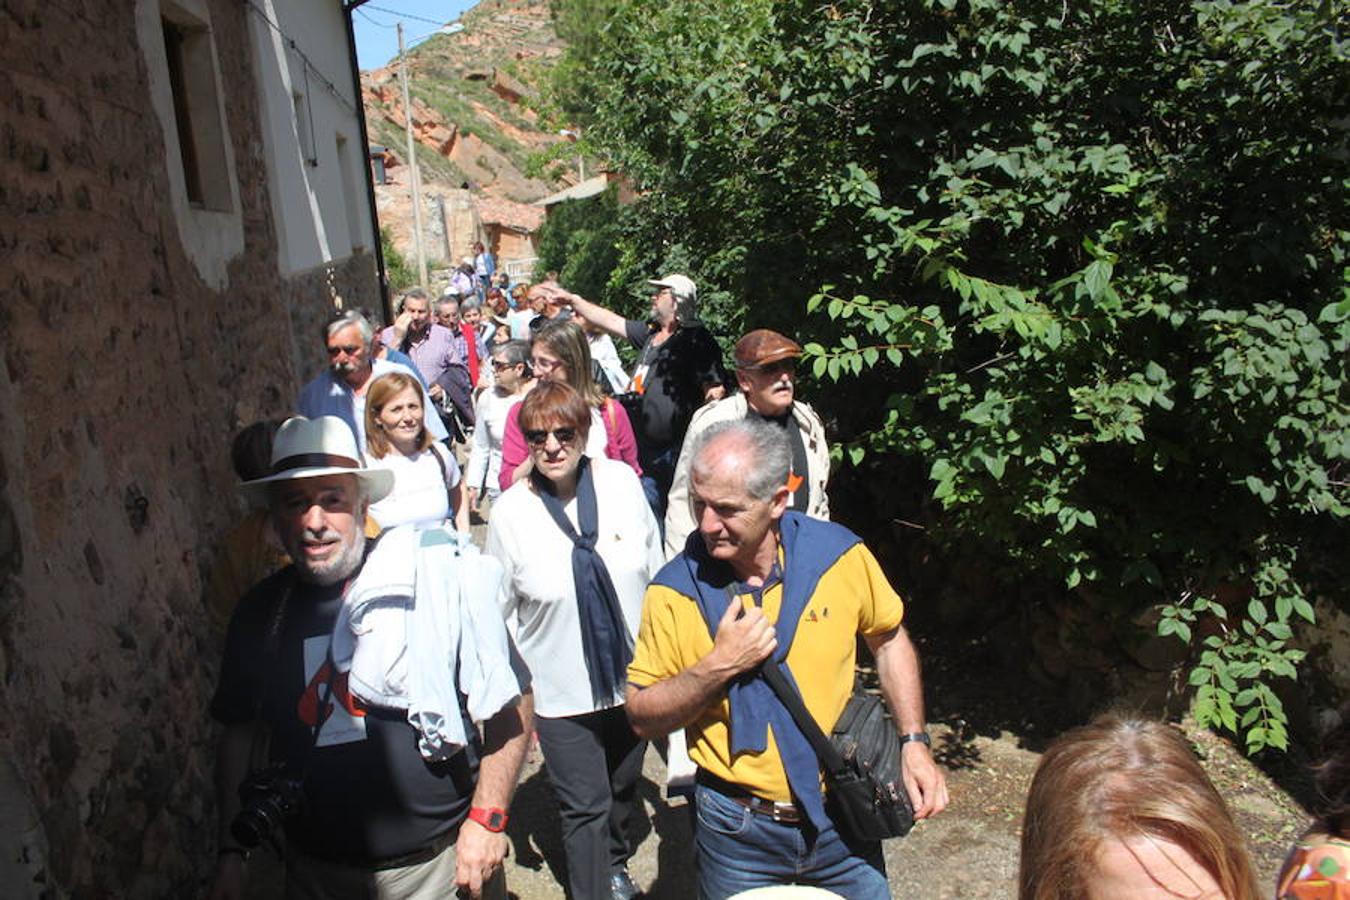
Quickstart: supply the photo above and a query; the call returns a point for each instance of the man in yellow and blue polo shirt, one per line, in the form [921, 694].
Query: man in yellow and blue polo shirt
[756, 582]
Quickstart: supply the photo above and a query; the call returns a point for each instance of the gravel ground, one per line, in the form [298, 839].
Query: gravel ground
[990, 724]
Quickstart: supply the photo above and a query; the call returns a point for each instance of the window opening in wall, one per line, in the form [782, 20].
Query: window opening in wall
[182, 113]
[304, 127]
[350, 194]
[196, 109]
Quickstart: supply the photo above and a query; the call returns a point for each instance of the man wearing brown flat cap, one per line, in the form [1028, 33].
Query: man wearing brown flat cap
[766, 370]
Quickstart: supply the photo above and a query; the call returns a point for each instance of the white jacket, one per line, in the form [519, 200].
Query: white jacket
[423, 607]
[680, 509]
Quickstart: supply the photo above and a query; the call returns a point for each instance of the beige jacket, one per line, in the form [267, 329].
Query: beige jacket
[680, 510]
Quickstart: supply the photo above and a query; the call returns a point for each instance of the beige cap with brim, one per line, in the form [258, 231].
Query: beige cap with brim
[310, 448]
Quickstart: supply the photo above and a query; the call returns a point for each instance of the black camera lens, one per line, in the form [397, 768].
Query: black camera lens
[269, 797]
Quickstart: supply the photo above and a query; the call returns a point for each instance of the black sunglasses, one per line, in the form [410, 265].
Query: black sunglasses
[537, 437]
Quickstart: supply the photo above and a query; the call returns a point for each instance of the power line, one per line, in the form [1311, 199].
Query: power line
[363, 14]
[403, 15]
[309, 65]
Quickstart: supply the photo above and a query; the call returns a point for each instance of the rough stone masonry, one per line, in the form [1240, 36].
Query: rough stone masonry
[123, 379]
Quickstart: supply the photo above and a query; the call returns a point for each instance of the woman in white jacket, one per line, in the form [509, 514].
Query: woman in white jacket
[579, 545]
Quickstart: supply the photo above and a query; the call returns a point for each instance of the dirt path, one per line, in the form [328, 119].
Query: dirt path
[990, 726]
[970, 851]
[990, 723]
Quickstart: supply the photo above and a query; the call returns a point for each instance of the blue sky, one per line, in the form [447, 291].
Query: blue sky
[376, 37]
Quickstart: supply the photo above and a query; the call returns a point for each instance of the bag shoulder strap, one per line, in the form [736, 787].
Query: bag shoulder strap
[445, 477]
[829, 757]
[609, 413]
[787, 695]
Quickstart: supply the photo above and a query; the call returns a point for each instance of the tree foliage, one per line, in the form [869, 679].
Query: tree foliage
[1086, 263]
[401, 275]
[579, 241]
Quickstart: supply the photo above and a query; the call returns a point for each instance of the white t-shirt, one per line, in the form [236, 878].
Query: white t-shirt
[540, 602]
[420, 494]
[485, 455]
[604, 352]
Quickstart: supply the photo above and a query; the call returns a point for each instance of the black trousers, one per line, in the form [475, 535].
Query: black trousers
[595, 801]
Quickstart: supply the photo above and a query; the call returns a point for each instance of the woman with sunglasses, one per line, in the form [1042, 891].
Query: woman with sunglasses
[579, 545]
[428, 488]
[560, 353]
[511, 382]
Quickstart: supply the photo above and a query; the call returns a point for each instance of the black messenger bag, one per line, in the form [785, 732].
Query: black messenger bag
[865, 794]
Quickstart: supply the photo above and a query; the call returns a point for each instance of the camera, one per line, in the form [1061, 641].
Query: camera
[269, 797]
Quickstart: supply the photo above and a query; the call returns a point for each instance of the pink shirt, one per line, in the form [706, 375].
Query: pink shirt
[620, 442]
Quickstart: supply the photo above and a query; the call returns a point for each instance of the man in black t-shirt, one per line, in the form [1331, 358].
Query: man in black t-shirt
[375, 819]
[679, 368]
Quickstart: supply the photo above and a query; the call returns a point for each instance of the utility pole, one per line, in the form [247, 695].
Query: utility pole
[574, 135]
[414, 178]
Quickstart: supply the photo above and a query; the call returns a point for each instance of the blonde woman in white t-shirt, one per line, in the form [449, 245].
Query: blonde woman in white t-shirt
[427, 484]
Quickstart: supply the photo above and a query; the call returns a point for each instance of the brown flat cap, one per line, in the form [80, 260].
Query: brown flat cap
[762, 347]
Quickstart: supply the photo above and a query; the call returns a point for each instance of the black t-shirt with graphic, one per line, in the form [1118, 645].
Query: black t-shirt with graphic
[673, 376]
[369, 795]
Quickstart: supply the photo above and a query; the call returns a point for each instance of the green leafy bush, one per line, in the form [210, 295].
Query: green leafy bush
[1084, 263]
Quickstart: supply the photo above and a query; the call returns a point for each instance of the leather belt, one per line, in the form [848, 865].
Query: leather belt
[419, 856]
[786, 813]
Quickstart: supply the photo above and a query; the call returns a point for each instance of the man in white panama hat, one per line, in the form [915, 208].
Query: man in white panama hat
[364, 815]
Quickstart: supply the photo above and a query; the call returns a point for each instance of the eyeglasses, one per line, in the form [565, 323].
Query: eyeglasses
[538, 437]
[545, 365]
[498, 365]
[350, 350]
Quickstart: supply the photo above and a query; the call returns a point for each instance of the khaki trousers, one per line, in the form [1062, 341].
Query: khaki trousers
[316, 879]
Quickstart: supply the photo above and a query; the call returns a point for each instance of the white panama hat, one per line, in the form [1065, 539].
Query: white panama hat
[309, 448]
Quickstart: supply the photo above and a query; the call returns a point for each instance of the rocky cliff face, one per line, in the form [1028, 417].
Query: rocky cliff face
[472, 115]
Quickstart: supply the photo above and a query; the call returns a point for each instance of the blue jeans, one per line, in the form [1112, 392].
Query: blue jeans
[658, 473]
[739, 850]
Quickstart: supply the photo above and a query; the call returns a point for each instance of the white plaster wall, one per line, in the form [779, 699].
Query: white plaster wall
[309, 203]
[211, 238]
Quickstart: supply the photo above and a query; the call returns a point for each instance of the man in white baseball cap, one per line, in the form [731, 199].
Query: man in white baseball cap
[679, 368]
[364, 814]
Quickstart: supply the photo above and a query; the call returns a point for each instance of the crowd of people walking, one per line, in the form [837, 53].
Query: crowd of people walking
[659, 566]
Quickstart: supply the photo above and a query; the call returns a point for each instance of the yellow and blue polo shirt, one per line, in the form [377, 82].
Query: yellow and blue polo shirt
[852, 597]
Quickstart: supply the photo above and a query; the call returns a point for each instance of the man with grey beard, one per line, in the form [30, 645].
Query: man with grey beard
[364, 814]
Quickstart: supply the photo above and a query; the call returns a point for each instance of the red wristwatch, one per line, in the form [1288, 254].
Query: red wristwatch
[491, 819]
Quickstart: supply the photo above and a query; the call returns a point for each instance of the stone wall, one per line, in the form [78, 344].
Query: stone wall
[123, 378]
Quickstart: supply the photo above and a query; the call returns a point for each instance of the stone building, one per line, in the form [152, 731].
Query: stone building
[183, 201]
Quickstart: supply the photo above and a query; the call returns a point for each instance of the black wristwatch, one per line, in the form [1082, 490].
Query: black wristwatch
[920, 736]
